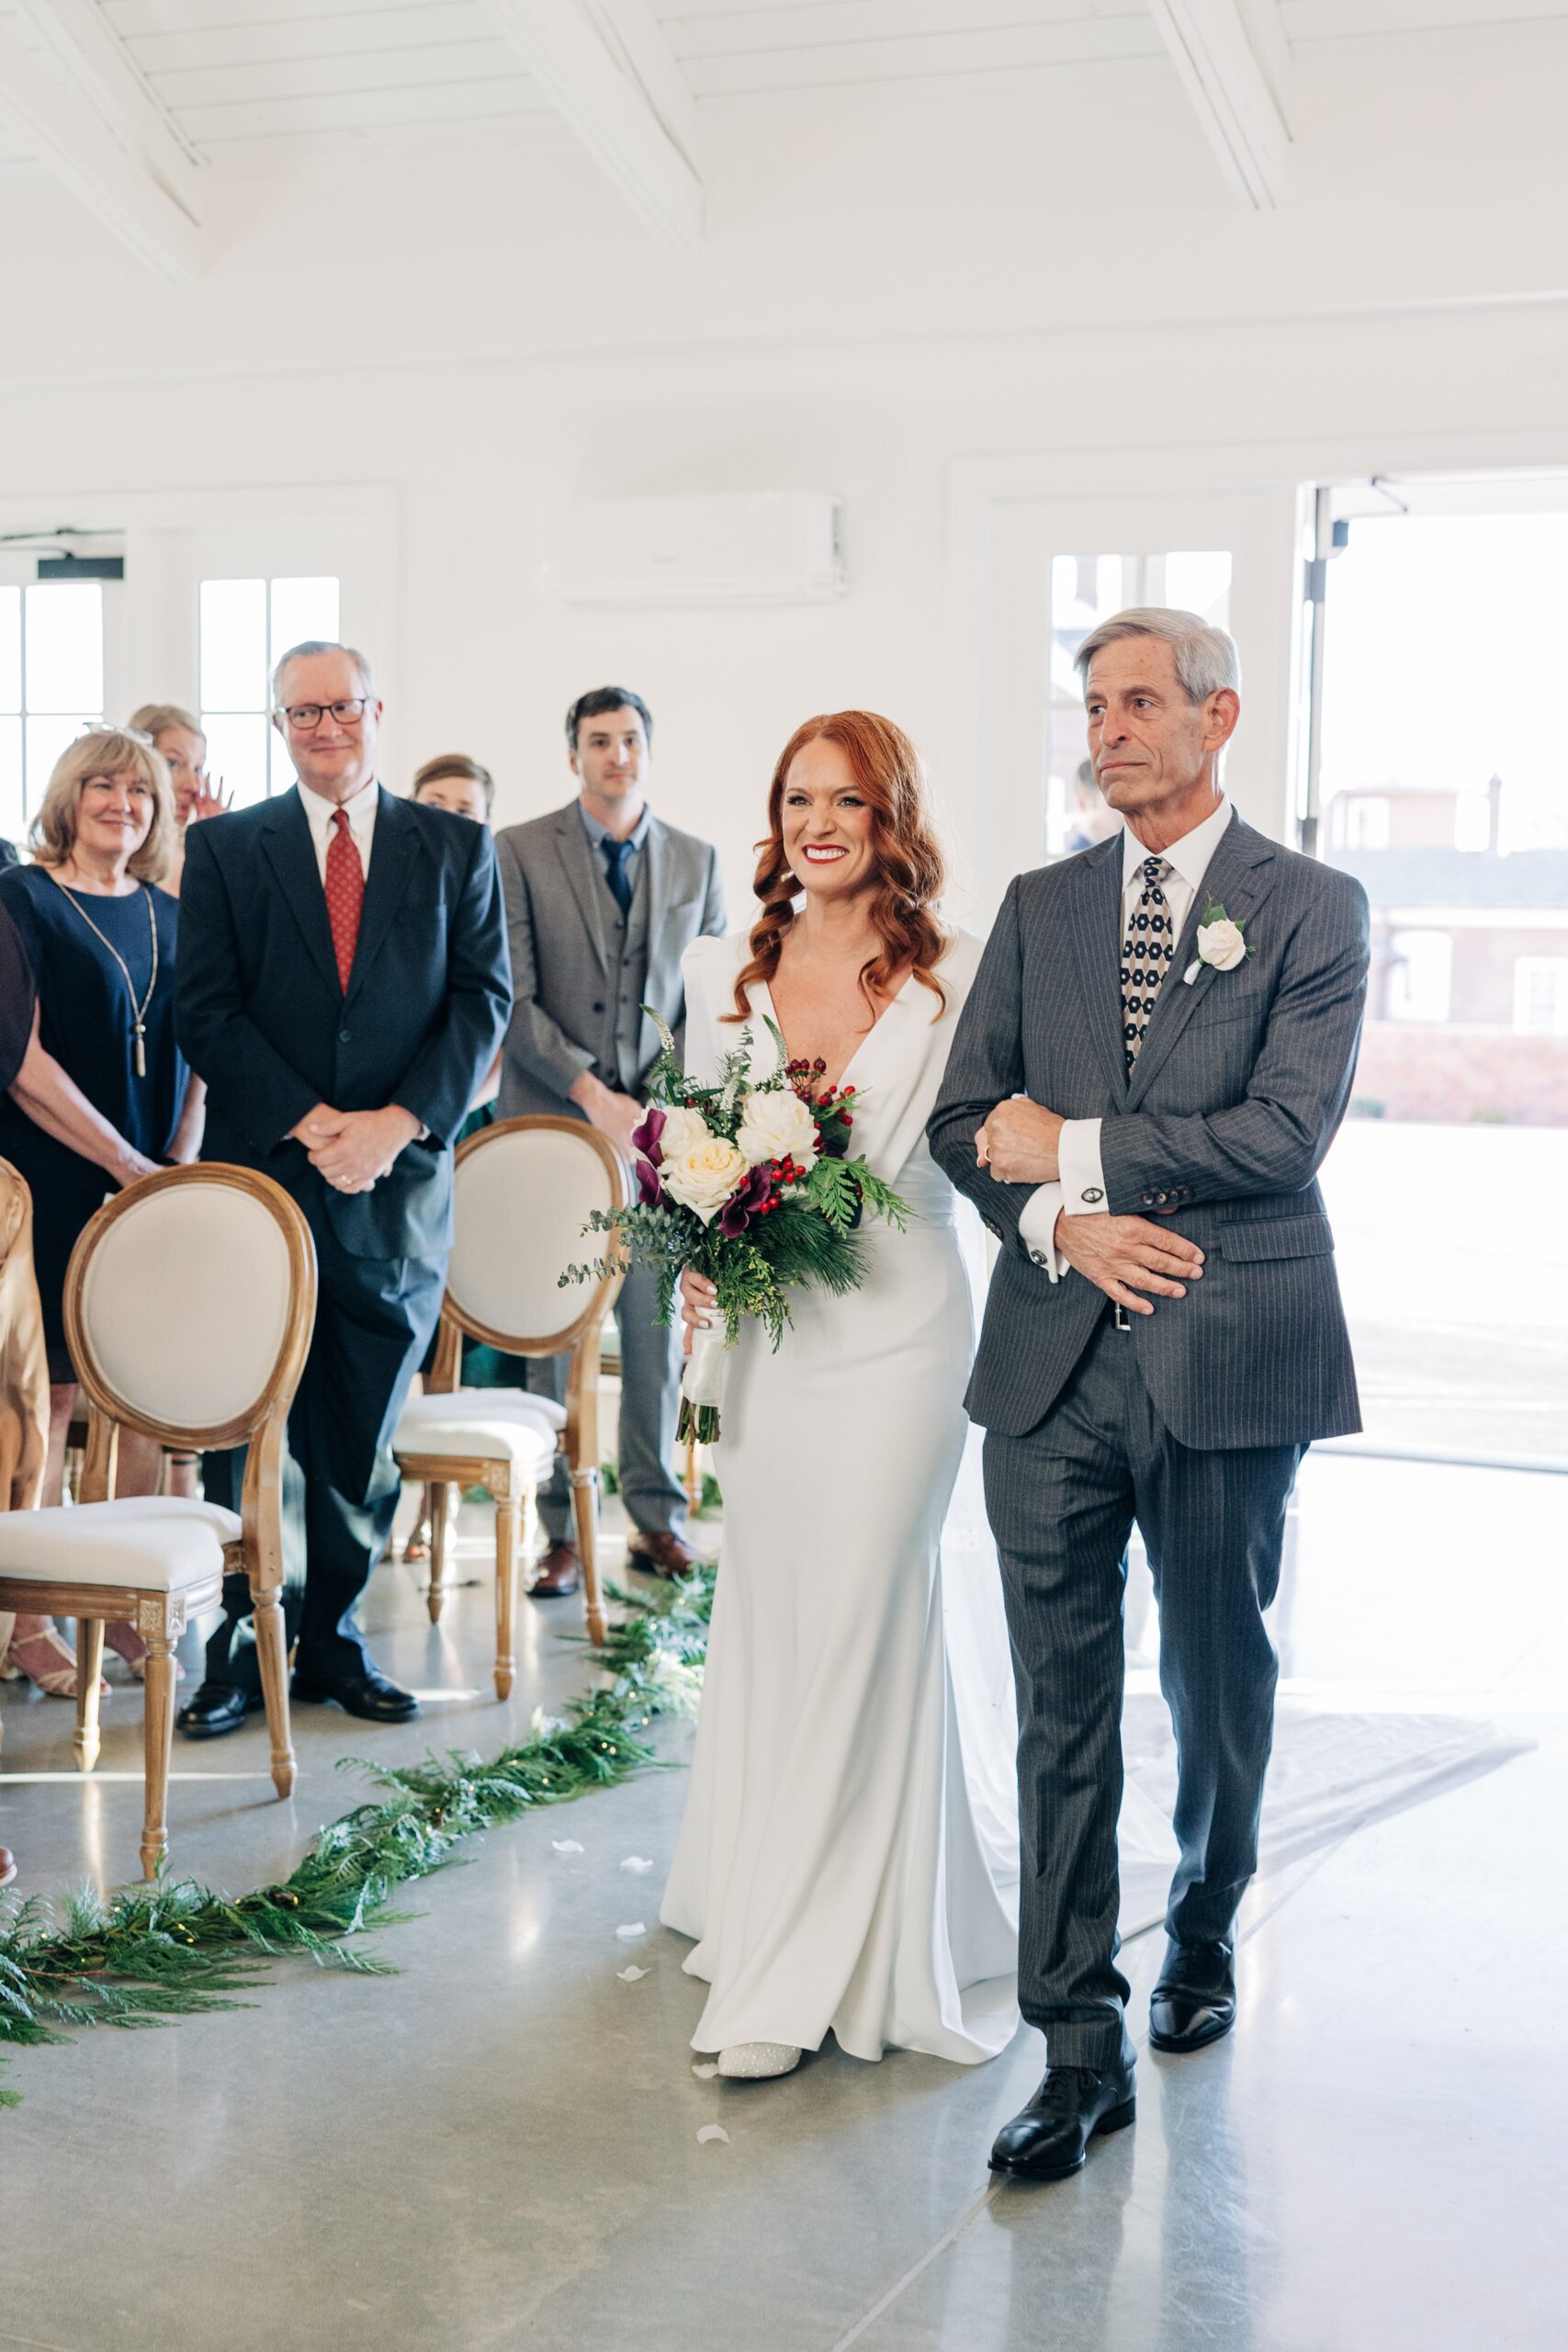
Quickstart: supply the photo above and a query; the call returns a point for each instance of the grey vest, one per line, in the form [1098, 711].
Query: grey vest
[617, 1017]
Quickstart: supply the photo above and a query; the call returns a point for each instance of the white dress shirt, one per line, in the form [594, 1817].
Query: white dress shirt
[360, 811]
[1081, 1191]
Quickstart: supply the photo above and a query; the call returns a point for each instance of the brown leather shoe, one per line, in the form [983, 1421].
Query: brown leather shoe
[560, 1572]
[663, 1553]
[7, 1866]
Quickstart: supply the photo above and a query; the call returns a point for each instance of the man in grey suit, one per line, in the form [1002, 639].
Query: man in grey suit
[1131, 1368]
[603, 900]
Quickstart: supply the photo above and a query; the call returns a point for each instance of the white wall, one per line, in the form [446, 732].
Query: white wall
[891, 290]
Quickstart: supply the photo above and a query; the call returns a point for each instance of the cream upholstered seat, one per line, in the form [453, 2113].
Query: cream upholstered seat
[478, 1420]
[161, 1542]
[190, 1301]
[524, 1189]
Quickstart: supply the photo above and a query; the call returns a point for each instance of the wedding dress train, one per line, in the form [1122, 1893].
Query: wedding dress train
[848, 1858]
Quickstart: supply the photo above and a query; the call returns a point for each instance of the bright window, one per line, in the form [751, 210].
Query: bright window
[1540, 995]
[245, 624]
[52, 686]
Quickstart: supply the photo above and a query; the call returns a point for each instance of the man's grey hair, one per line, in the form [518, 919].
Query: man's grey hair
[1206, 658]
[323, 644]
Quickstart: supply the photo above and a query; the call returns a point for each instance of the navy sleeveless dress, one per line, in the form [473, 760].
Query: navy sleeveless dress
[87, 1022]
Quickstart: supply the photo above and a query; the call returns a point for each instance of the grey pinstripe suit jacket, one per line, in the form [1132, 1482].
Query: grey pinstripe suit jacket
[1235, 1099]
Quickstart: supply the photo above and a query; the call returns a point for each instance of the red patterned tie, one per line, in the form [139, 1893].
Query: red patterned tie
[345, 895]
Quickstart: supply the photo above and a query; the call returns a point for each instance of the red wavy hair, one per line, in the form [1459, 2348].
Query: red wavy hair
[911, 870]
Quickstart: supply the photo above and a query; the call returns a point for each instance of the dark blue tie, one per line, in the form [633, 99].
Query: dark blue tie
[620, 881]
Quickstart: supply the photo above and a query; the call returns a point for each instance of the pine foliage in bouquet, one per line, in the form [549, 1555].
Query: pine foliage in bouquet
[751, 1182]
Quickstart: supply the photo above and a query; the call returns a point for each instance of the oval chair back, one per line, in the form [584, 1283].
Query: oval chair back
[522, 1191]
[24, 1359]
[191, 1299]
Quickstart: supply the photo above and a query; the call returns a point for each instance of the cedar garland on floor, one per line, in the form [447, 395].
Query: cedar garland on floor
[173, 1949]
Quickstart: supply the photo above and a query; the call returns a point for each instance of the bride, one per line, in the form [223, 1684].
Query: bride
[848, 1858]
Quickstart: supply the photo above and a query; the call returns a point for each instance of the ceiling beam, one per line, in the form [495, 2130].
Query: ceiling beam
[1232, 58]
[612, 75]
[91, 120]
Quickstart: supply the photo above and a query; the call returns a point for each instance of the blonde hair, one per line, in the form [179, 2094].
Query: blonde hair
[156, 719]
[107, 750]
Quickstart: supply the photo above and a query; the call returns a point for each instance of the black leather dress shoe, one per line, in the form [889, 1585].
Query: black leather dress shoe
[367, 1695]
[1072, 2107]
[217, 1708]
[1194, 2002]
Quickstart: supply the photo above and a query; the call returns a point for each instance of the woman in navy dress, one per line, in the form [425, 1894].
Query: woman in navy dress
[104, 1095]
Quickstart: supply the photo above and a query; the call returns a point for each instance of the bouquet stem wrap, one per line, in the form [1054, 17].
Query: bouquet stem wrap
[702, 1385]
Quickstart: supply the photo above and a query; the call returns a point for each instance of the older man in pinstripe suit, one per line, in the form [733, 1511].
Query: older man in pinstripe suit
[1151, 1065]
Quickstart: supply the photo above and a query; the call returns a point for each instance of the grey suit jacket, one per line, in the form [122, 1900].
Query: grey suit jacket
[1234, 1100]
[560, 955]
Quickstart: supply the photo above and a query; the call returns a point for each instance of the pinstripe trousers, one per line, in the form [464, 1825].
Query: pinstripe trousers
[1063, 1499]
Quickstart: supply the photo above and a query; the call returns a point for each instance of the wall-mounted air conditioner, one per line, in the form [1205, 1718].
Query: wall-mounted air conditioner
[754, 547]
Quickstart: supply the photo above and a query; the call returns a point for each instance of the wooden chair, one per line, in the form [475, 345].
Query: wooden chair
[523, 1190]
[24, 1361]
[189, 1303]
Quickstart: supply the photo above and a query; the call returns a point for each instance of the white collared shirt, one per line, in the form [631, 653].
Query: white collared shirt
[360, 811]
[1081, 1191]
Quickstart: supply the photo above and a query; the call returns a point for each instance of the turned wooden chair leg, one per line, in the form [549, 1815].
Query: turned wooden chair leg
[437, 1592]
[159, 1688]
[89, 1670]
[273, 1661]
[585, 1512]
[506, 1530]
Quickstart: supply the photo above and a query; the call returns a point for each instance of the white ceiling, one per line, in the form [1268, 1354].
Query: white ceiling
[238, 75]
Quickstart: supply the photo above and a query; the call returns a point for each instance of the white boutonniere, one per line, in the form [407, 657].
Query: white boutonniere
[1219, 943]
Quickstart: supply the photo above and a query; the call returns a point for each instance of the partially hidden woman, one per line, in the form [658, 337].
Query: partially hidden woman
[847, 1861]
[177, 736]
[102, 1095]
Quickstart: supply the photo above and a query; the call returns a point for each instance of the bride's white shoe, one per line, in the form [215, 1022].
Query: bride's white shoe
[755, 2062]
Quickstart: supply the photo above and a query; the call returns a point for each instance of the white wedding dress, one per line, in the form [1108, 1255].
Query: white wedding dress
[848, 1861]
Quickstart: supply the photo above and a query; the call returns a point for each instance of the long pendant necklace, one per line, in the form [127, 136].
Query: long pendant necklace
[138, 1011]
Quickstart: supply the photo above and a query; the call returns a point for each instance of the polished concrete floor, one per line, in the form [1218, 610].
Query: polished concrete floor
[501, 2146]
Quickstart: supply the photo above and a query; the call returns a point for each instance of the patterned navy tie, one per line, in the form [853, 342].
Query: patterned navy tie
[620, 881]
[1146, 954]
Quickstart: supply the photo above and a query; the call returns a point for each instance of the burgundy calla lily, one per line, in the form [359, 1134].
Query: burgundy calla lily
[647, 1133]
[742, 1206]
[649, 1190]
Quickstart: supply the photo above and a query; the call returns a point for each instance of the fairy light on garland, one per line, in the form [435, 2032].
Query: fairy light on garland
[175, 1949]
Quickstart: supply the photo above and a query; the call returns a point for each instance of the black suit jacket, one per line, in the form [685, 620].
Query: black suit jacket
[260, 1015]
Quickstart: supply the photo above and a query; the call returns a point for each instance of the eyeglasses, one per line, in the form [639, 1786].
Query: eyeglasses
[305, 716]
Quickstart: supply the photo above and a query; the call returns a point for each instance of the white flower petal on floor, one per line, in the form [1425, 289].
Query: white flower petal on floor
[630, 1932]
[630, 1975]
[638, 1862]
[706, 2074]
[712, 2132]
[566, 1845]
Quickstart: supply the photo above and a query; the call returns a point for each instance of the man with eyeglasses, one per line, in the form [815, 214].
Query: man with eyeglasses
[344, 985]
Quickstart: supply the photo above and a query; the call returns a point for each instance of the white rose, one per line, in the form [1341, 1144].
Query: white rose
[777, 1125]
[1220, 944]
[682, 1130]
[703, 1178]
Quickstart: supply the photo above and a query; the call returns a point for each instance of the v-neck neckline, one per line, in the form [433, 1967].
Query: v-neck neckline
[760, 988]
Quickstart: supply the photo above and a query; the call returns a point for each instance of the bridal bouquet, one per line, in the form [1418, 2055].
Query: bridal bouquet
[751, 1182]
